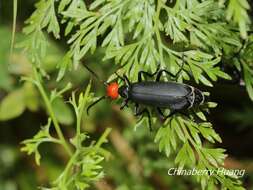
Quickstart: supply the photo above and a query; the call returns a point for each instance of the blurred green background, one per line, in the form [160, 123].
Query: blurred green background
[22, 112]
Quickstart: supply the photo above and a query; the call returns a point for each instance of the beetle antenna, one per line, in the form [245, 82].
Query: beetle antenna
[119, 76]
[94, 103]
[94, 74]
[124, 78]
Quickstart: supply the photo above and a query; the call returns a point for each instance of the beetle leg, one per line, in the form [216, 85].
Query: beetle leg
[142, 112]
[159, 74]
[142, 73]
[175, 76]
[181, 67]
[164, 117]
[160, 114]
[124, 104]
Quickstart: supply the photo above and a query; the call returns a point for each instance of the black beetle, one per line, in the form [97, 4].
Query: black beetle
[158, 94]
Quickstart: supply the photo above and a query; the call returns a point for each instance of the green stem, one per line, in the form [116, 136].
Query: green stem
[79, 116]
[51, 113]
[80, 109]
[157, 32]
[69, 164]
[102, 139]
[15, 5]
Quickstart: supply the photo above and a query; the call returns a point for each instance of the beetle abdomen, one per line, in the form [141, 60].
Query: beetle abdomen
[161, 94]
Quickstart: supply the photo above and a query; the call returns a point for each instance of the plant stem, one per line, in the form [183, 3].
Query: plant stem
[69, 164]
[14, 22]
[157, 32]
[51, 112]
[102, 139]
[79, 111]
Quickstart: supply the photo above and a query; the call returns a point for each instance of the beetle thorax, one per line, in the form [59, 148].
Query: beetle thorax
[124, 91]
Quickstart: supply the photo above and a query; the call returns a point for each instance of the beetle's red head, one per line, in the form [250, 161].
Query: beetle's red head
[112, 90]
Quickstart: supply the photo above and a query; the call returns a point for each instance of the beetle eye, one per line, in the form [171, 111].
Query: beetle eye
[123, 91]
